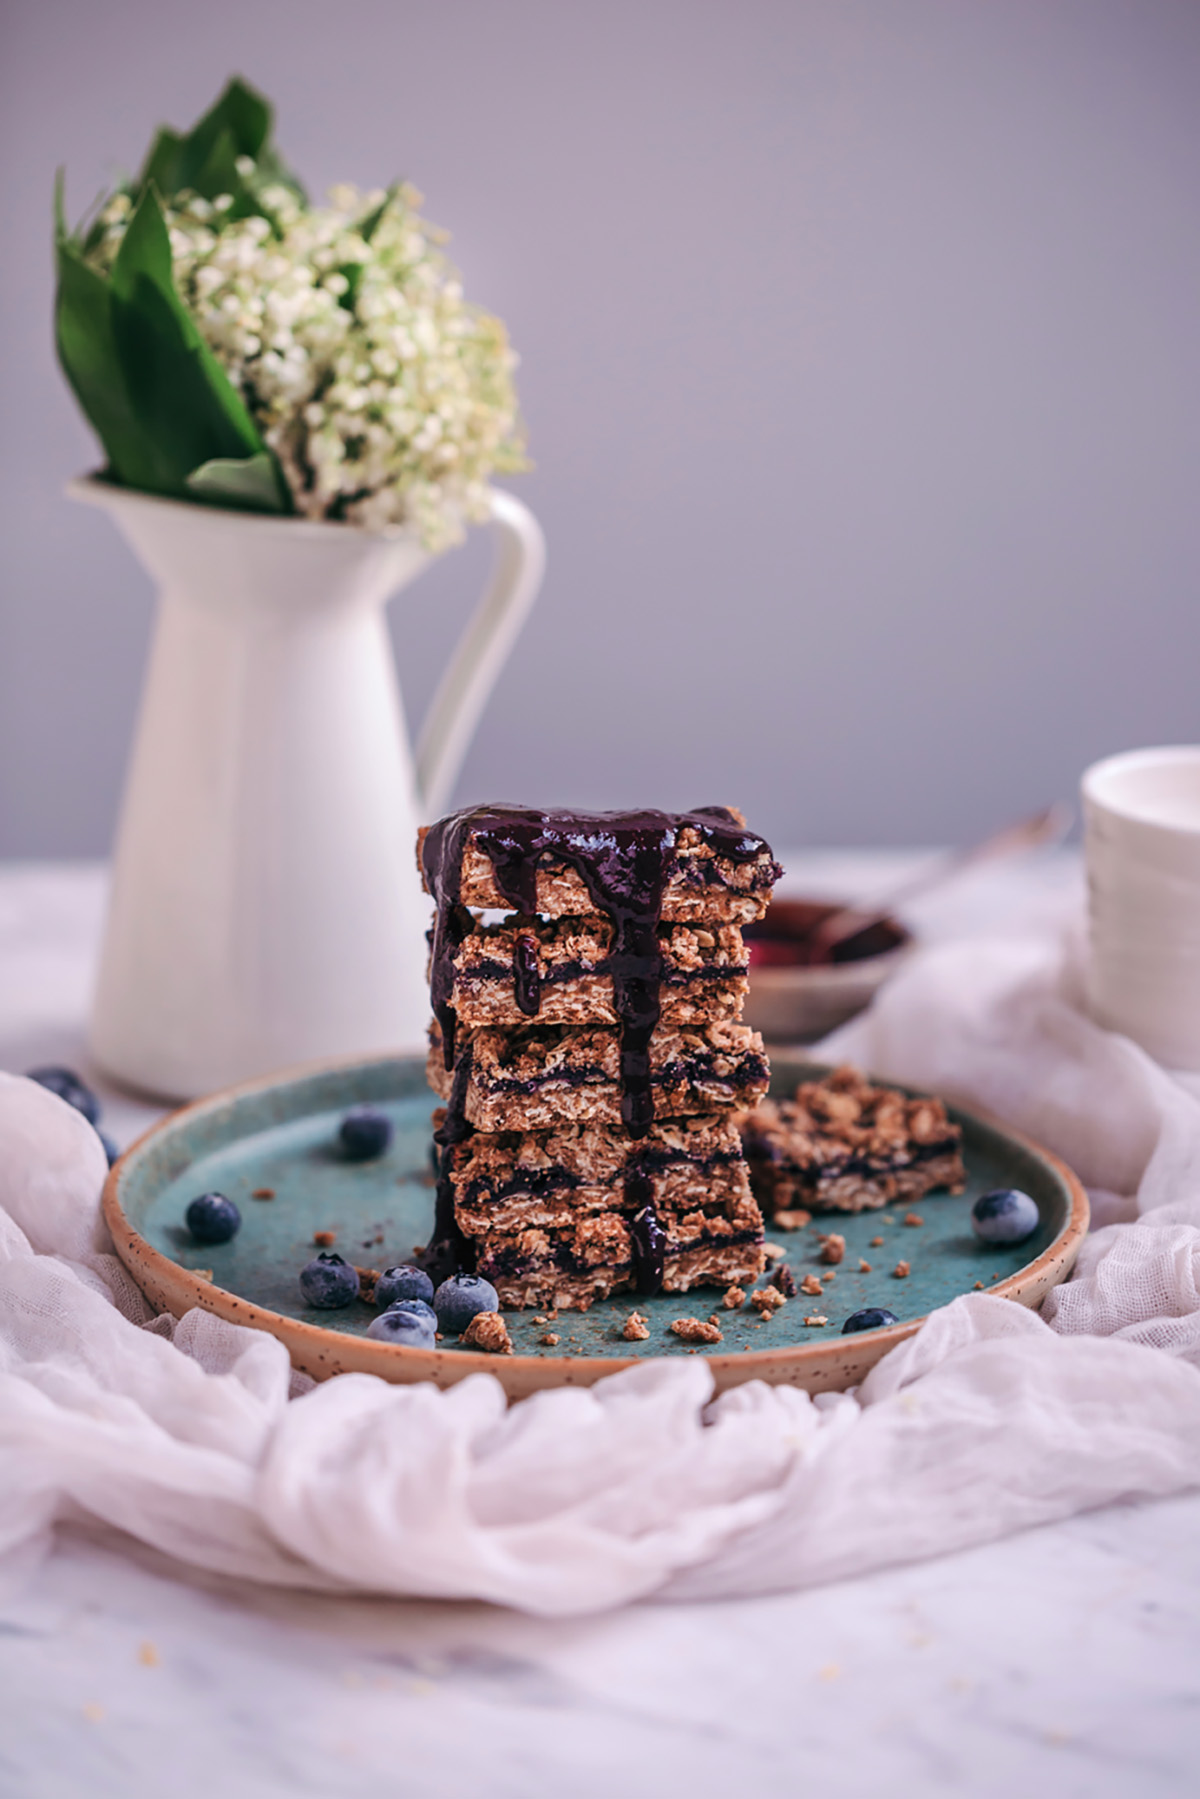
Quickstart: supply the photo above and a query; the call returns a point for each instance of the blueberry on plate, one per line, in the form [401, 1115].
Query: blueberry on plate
[417, 1309]
[1005, 1216]
[399, 1325]
[67, 1084]
[871, 1318]
[405, 1282]
[458, 1299]
[328, 1281]
[212, 1218]
[364, 1133]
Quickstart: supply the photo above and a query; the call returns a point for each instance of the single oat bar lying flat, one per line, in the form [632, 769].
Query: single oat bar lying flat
[701, 883]
[569, 1266]
[506, 1181]
[547, 1075]
[844, 1145]
[560, 971]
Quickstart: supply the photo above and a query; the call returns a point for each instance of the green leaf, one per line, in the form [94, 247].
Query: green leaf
[205, 159]
[145, 249]
[254, 483]
[370, 224]
[240, 111]
[186, 408]
[87, 351]
[161, 167]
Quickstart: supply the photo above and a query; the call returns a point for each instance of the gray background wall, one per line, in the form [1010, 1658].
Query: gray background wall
[860, 363]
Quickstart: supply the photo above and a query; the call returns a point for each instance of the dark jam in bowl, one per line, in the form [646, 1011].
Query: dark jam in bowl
[784, 938]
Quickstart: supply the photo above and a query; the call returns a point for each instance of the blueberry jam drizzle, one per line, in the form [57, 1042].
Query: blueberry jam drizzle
[448, 1250]
[625, 860]
[527, 982]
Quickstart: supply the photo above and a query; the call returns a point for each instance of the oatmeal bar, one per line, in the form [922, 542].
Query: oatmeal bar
[505, 1181]
[570, 1266]
[561, 971]
[707, 865]
[844, 1145]
[546, 1075]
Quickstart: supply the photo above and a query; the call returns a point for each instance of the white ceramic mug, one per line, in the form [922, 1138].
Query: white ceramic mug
[1142, 840]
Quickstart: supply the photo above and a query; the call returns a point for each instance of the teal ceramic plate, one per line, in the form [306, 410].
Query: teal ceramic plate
[276, 1137]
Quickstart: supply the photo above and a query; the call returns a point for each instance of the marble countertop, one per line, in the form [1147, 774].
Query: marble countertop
[1067, 1656]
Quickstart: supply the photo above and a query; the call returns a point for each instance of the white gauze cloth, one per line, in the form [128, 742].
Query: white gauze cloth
[196, 1438]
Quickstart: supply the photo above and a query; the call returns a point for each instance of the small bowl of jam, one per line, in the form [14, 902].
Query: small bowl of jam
[798, 989]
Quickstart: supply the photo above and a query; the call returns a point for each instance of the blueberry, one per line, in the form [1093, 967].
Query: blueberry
[110, 1148]
[458, 1299]
[398, 1325]
[404, 1282]
[67, 1084]
[364, 1133]
[1005, 1216]
[417, 1309]
[871, 1318]
[328, 1281]
[213, 1219]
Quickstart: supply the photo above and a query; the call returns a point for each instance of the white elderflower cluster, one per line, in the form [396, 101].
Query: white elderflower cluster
[386, 397]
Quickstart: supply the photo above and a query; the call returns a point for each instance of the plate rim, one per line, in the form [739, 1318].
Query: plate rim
[826, 1364]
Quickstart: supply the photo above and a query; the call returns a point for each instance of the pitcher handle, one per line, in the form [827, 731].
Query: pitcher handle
[462, 693]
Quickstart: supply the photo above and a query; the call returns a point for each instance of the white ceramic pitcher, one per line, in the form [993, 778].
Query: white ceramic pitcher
[265, 906]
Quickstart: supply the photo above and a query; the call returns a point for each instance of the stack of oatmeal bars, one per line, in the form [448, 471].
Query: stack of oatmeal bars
[587, 975]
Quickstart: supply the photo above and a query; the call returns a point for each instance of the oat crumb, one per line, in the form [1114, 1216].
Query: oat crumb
[817, 1319]
[636, 1329]
[792, 1221]
[901, 1271]
[767, 1300]
[774, 1251]
[811, 1284]
[695, 1330]
[539, 1319]
[549, 1339]
[487, 1331]
[834, 1248]
[324, 1239]
[913, 1218]
[875, 1243]
[263, 1193]
[979, 1286]
[829, 1275]
[785, 1280]
[734, 1297]
[863, 1267]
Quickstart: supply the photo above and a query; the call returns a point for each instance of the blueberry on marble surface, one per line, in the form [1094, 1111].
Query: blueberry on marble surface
[404, 1282]
[364, 1133]
[67, 1084]
[212, 1218]
[1004, 1216]
[399, 1325]
[871, 1318]
[328, 1281]
[458, 1299]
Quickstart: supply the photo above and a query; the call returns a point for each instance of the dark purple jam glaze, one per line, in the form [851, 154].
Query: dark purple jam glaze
[646, 1234]
[527, 982]
[448, 1250]
[625, 860]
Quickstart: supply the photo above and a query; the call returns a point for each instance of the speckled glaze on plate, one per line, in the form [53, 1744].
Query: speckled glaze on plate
[279, 1135]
